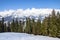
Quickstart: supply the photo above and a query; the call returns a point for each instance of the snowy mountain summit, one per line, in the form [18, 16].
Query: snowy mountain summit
[22, 13]
[23, 36]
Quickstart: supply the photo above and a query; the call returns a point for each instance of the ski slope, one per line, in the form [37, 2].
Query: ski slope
[23, 36]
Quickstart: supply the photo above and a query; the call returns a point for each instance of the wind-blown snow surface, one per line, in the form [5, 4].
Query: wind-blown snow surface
[23, 36]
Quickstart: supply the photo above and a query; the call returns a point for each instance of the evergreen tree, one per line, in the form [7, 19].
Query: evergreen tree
[5, 27]
[38, 26]
[45, 25]
[33, 26]
[16, 25]
[13, 26]
[20, 28]
[58, 24]
[53, 26]
[2, 24]
[8, 27]
[28, 26]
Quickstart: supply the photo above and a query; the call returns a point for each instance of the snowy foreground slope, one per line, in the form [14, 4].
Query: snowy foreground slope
[23, 36]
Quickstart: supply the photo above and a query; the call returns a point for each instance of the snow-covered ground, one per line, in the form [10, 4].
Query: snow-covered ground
[23, 36]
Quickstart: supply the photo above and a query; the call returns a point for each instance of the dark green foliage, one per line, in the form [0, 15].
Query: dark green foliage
[13, 26]
[8, 27]
[0, 26]
[28, 26]
[20, 28]
[16, 25]
[45, 26]
[38, 26]
[53, 25]
[33, 26]
[5, 27]
[58, 24]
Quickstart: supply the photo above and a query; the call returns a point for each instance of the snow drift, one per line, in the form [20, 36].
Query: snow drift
[23, 36]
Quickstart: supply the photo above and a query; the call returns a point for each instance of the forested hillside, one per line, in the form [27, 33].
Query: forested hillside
[50, 26]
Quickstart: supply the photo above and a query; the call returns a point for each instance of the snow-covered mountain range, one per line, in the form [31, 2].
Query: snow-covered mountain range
[23, 13]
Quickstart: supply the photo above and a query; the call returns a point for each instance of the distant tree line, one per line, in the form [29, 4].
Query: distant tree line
[50, 26]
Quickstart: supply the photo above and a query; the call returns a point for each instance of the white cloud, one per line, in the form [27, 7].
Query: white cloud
[6, 13]
[27, 12]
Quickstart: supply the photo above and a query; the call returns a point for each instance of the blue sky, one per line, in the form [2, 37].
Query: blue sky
[24, 4]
